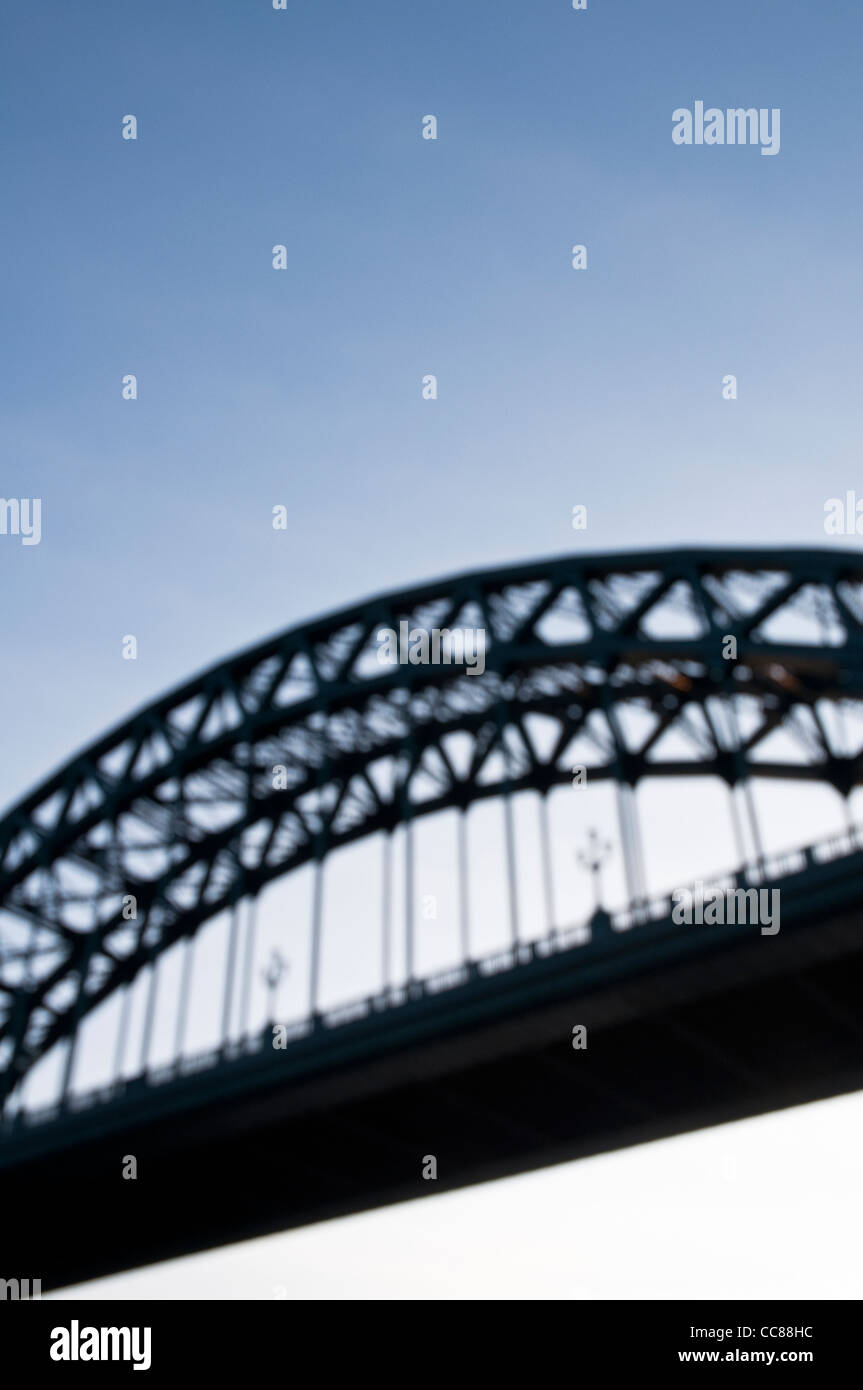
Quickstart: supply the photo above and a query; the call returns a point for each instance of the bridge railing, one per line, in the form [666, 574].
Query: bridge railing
[783, 864]
[770, 869]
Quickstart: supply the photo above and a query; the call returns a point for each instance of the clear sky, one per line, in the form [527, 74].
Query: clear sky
[405, 257]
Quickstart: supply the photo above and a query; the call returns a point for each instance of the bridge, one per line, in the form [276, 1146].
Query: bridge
[133, 889]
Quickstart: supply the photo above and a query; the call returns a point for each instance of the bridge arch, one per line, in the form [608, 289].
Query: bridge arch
[177, 806]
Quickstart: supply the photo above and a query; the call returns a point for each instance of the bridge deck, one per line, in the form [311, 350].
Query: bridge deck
[687, 1026]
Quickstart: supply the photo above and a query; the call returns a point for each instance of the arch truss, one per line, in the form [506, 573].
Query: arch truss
[735, 663]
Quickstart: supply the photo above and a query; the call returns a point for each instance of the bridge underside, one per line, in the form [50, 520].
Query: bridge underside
[692, 1037]
[736, 665]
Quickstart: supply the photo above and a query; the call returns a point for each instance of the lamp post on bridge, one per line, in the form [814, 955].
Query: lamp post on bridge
[592, 858]
[273, 976]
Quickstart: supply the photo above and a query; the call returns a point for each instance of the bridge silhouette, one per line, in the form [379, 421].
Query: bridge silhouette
[273, 762]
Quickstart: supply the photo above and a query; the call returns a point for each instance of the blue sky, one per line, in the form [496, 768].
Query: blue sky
[405, 257]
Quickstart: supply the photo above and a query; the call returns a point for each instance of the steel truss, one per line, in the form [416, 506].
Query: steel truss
[179, 806]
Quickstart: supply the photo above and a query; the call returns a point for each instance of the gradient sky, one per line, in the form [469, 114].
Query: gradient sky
[405, 257]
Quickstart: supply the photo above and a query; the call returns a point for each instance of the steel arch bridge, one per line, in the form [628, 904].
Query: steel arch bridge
[286, 752]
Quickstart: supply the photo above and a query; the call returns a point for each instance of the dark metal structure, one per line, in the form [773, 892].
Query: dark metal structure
[176, 809]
